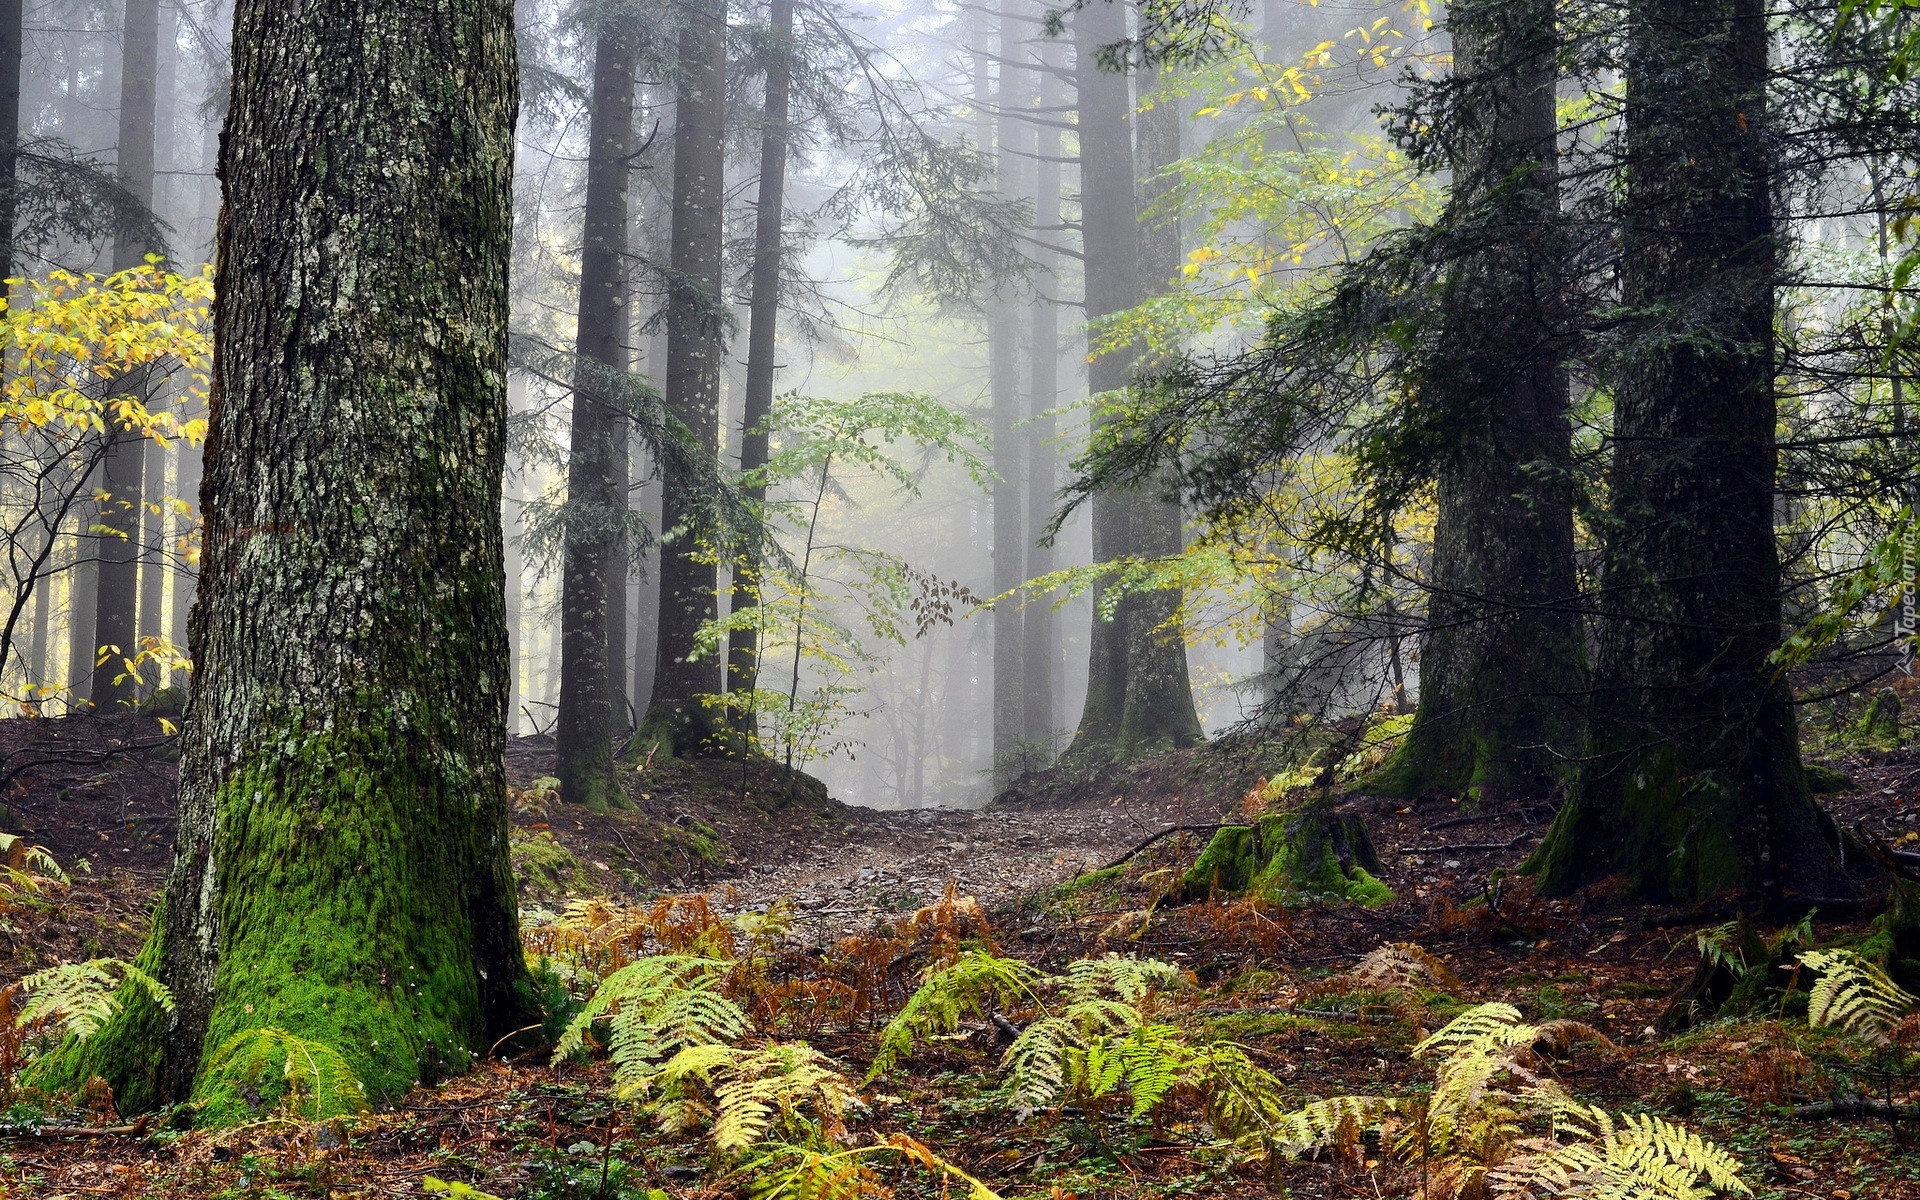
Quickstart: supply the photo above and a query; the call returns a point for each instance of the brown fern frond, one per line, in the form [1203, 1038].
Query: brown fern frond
[1401, 965]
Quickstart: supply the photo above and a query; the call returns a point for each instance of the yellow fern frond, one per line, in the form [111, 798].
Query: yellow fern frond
[1853, 994]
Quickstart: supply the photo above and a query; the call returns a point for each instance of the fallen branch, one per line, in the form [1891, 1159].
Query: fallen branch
[1478, 847]
[134, 1129]
[1154, 837]
[1856, 1106]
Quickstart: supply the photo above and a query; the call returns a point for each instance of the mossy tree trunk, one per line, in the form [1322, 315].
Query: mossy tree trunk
[1692, 786]
[696, 323]
[340, 868]
[1502, 661]
[592, 572]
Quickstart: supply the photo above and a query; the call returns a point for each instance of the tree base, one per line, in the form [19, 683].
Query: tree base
[686, 729]
[1312, 856]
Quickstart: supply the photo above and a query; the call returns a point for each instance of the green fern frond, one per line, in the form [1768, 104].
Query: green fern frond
[773, 1085]
[81, 997]
[1036, 1063]
[1483, 1022]
[1244, 1102]
[1152, 1060]
[1324, 1124]
[1125, 978]
[318, 1080]
[1854, 994]
[969, 984]
[657, 1004]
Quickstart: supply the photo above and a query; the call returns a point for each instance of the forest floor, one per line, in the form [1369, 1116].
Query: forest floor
[98, 794]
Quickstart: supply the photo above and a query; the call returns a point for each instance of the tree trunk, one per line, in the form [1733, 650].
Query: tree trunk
[341, 870]
[1009, 525]
[117, 589]
[696, 317]
[584, 729]
[1158, 712]
[763, 315]
[1502, 659]
[12, 48]
[1040, 631]
[1109, 238]
[1692, 786]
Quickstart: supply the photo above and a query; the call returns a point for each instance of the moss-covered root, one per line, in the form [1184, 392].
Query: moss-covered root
[1895, 943]
[1879, 727]
[1311, 856]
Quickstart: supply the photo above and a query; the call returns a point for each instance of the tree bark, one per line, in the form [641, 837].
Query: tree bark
[1158, 713]
[596, 457]
[116, 593]
[340, 869]
[1502, 662]
[763, 316]
[12, 53]
[696, 320]
[1692, 786]
[1109, 236]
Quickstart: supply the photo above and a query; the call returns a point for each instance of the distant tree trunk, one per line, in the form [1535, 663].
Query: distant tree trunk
[117, 589]
[341, 867]
[1003, 370]
[696, 318]
[1109, 236]
[763, 315]
[1158, 712]
[1040, 632]
[584, 729]
[1692, 786]
[513, 504]
[12, 49]
[1502, 659]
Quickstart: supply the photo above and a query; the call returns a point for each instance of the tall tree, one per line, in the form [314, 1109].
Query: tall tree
[1692, 785]
[1003, 371]
[341, 869]
[1157, 711]
[1040, 632]
[763, 315]
[696, 324]
[1502, 664]
[593, 569]
[1109, 234]
[116, 593]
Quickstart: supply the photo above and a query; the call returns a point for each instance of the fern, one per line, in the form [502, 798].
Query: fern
[656, 1005]
[969, 984]
[1126, 979]
[784, 1172]
[1400, 965]
[81, 997]
[1854, 994]
[770, 1086]
[319, 1082]
[1467, 1135]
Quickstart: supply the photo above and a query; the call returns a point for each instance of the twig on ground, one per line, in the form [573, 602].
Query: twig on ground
[1152, 838]
[1477, 847]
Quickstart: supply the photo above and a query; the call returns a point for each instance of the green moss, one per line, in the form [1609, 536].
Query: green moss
[1312, 856]
[543, 869]
[1823, 779]
[1879, 726]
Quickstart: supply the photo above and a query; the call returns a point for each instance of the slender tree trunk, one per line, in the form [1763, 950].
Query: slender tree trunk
[514, 503]
[341, 870]
[1003, 370]
[1502, 658]
[696, 319]
[1040, 631]
[763, 314]
[12, 47]
[584, 730]
[117, 590]
[1692, 786]
[1158, 711]
[1109, 235]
